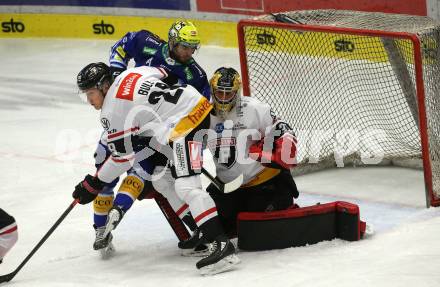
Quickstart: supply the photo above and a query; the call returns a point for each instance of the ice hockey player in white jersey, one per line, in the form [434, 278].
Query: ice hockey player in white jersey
[140, 109]
[246, 127]
[8, 233]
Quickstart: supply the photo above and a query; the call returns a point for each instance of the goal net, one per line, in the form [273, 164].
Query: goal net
[358, 88]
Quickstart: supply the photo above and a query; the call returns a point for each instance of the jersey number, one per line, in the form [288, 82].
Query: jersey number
[169, 94]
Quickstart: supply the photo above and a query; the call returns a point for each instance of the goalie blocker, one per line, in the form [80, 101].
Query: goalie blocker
[299, 226]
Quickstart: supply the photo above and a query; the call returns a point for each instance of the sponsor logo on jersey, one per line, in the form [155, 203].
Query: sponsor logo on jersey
[198, 69]
[219, 127]
[218, 142]
[149, 51]
[180, 159]
[105, 123]
[120, 51]
[126, 88]
[170, 61]
[188, 74]
[195, 154]
[239, 126]
[199, 113]
[12, 26]
[192, 120]
[152, 40]
[103, 28]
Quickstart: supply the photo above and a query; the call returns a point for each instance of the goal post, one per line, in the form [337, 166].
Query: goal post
[359, 88]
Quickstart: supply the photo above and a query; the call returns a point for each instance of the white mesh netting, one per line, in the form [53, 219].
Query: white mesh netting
[351, 96]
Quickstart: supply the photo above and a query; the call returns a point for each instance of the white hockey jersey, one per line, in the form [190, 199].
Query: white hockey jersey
[247, 123]
[139, 104]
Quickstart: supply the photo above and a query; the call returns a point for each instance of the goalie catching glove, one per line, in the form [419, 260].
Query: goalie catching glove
[282, 155]
[87, 190]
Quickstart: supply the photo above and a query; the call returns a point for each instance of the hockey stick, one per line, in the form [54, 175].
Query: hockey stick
[8, 277]
[172, 218]
[224, 187]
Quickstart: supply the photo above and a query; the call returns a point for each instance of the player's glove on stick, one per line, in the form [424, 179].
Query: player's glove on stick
[87, 190]
[282, 155]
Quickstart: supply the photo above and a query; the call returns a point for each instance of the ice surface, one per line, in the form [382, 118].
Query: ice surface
[46, 146]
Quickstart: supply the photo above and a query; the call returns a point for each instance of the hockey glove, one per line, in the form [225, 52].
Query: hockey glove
[114, 71]
[282, 155]
[87, 190]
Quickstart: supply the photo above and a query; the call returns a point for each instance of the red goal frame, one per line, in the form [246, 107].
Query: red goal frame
[431, 198]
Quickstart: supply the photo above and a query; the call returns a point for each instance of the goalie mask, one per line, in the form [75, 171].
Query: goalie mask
[225, 89]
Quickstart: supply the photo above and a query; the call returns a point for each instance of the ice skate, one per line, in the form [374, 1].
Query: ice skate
[221, 259]
[103, 243]
[192, 247]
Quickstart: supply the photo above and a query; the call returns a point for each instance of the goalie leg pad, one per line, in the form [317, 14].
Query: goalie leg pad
[299, 227]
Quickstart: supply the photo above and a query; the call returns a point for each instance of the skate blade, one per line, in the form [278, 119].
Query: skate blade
[223, 265]
[107, 252]
[193, 253]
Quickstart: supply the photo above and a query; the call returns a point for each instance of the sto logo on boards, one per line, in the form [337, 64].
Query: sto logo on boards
[266, 39]
[344, 46]
[12, 26]
[103, 28]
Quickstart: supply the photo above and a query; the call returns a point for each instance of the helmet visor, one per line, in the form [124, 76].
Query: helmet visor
[194, 46]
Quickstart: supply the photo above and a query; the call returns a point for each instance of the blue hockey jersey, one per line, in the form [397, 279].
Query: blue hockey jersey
[147, 49]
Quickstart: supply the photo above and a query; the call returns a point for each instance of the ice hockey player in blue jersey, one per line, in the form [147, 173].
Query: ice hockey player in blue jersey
[175, 56]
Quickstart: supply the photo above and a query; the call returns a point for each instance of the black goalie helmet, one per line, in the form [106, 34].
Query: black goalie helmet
[225, 88]
[93, 76]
